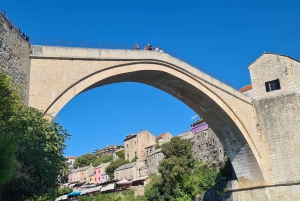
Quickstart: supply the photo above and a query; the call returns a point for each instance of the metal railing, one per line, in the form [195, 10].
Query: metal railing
[102, 45]
[123, 46]
[4, 14]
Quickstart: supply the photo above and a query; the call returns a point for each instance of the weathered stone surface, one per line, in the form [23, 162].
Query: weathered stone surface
[58, 74]
[278, 116]
[14, 56]
[223, 192]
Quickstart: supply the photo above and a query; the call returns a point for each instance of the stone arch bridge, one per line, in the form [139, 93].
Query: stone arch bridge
[57, 74]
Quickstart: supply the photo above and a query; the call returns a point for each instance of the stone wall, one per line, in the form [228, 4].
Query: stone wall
[223, 192]
[14, 56]
[153, 160]
[127, 171]
[278, 119]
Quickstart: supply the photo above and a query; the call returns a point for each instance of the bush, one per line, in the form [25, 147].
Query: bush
[121, 154]
[103, 159]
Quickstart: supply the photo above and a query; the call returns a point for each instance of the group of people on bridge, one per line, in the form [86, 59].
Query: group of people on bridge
[148, 47]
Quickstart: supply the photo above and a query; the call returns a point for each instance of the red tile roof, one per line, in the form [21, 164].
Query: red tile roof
[161, 135]
[246, 88]
[71, 157]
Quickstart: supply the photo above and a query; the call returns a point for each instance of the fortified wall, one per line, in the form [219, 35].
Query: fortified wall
[14, 55]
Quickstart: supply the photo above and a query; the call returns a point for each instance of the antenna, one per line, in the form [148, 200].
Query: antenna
[195, 117]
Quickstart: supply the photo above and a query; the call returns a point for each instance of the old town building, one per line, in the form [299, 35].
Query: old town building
[135, 144]
[108, 150]
[71, 160]
[163, 138]
[80, 174]
[206, 145]
[99, 172]
[153, 160]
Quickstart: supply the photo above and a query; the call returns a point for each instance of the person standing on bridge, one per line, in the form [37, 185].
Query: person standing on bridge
[158, 49]
[148, 47]
[137, 47]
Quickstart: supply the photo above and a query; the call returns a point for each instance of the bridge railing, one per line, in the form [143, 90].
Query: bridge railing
[121, 46]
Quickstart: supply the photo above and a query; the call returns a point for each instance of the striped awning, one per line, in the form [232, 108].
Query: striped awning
[91, 190]
[62, 197]
[107, 187]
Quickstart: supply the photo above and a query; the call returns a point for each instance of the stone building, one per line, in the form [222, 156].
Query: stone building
[109, 150]
[153, 160]
[127, 171]
[71, 160]
[163, 138]
[135, 144]
[143, 171]
[80, 174]
[206, 145]
[150, 149]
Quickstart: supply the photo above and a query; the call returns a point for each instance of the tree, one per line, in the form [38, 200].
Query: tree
[103, 159]
[177, 164]
[10, 103]
[35, 158]
[84, 160]
[114, 165]
[64, 190]
[152, 190]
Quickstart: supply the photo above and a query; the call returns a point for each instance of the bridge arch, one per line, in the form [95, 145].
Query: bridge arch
[229, 113]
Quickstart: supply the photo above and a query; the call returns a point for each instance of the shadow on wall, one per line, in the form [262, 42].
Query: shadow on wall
[219, 192]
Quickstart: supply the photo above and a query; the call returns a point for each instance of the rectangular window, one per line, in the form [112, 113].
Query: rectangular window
[272, 85]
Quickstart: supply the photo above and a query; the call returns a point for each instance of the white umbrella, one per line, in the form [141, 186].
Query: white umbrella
[123, 182]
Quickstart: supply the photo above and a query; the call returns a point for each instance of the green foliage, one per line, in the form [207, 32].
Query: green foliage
[181, 197]
[203, 177]
[121, 154]
[114, 165]
[64, 190]
[176, 165]
[152, 190]
[98, 154]
[119, 196]
[157, 146]
[84, 160]
[182, 177]
[10, 103]
[134, 159]
[103, 159]
[34, 148]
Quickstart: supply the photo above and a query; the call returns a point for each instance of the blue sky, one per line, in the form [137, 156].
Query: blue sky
[219, 37]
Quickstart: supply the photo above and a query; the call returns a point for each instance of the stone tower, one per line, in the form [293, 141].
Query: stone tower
[276, 99]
